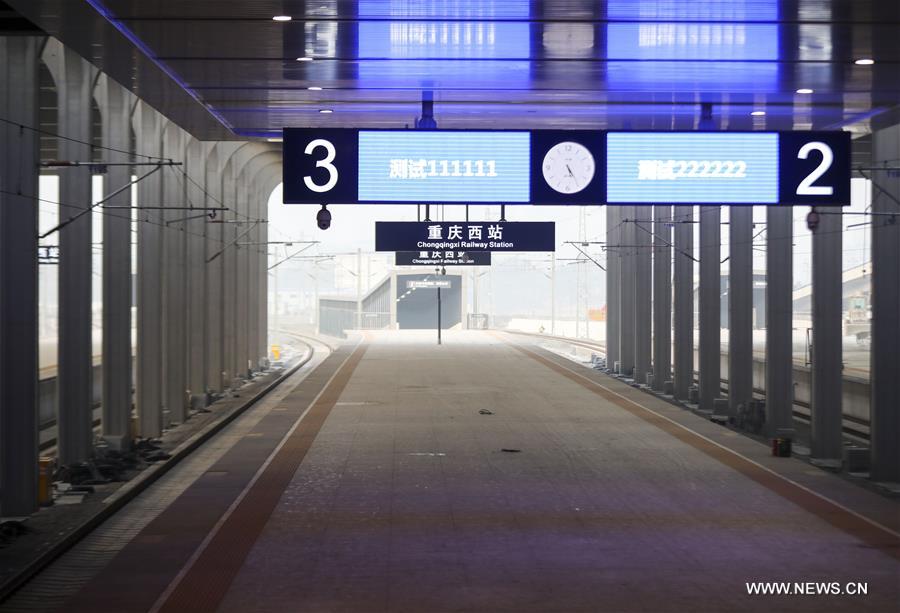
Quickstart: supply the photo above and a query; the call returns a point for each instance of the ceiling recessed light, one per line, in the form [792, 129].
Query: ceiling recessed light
[304, 59]
[865, 61]
[281, 18]
[326, 111]
[804, 90]
[314, 88]
[758, 113]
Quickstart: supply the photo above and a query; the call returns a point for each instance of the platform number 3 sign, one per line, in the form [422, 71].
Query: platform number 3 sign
[320, 166]
[326, 163]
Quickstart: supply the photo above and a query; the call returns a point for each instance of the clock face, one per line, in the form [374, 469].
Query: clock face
[568, 167]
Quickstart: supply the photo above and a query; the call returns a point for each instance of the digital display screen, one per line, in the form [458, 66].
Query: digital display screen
[465, 167]
[692, 168]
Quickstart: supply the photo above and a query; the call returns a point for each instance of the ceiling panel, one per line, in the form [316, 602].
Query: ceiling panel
[224, 67]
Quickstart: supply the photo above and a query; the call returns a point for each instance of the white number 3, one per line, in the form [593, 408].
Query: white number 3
[326, 163]
[806, 187]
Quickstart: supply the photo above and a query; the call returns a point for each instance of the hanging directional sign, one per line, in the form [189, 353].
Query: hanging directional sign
[580, 167]
[429, 283]
[444, 236]
[445, 257]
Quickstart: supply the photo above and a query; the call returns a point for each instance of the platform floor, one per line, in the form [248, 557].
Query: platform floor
[576, 493]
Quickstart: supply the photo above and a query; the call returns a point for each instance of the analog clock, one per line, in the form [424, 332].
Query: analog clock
[568, 167]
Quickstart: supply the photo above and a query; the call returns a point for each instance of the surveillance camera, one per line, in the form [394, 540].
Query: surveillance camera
[323, 218]
[812, 220]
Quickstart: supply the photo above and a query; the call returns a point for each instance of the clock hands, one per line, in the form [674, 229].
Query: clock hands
[571, 174]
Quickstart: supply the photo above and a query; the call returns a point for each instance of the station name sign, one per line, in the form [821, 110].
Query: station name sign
[446, 236]
[580, 167]
[445, 257]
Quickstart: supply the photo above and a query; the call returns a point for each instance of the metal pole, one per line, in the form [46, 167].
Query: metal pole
[439, 315]
[684, 301]
[827, 377]
[885, 331]
[359, 289]
[710, 303]
[553, 293]
[740, 308]
[779, 315]
[662, 297]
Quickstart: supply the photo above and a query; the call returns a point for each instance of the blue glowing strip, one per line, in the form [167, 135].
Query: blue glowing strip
[142, 46]
[412, 166]
[692, 41]
[692, 10]
[692, 168]
[440, 9]
[444, 40]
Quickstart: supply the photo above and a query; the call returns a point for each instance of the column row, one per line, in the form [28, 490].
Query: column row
[194, 293]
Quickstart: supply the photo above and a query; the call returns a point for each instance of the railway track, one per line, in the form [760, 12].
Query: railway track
[47, 429]
[140, 483]
[852, 426]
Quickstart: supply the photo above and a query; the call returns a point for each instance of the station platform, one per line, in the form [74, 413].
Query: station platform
[485, 474]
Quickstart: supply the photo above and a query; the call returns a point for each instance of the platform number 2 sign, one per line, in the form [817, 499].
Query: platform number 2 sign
[814, 168]
[806, 187]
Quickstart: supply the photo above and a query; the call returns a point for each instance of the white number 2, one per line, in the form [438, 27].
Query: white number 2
[806, 187]
[326, 163]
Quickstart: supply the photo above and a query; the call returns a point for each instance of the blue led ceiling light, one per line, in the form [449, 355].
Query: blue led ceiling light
[441, 47]
[437, 9]
[692, 10]
[684, 45]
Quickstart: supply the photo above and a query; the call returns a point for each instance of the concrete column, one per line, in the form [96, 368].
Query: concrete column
[662, 296]
[148, 129]
[683, 316]
[253, 281]
[643, 293]
[241, 272]
[74, 83]
[779, 319]
[213, 297]
[626, 292]
[195, 266]
[262, 260]
[885, 403]
[827, 356]
[19, 157]
[740, 308]
[174, 279]
[115, 107]
[613, 259]
[229, 283]
[710, 296]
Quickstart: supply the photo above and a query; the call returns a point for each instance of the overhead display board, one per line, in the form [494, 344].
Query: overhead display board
[442, 257]
[692, 167]
[560, 167]
[444, 236]
[417, 166]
